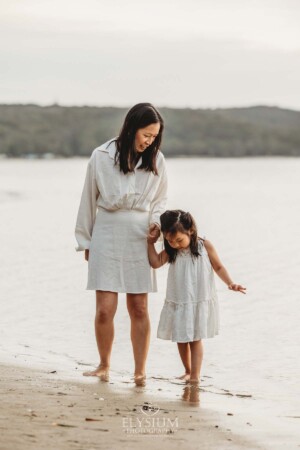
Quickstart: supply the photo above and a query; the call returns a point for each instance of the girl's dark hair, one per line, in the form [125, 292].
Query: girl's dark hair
[176, 220]
[139, 116]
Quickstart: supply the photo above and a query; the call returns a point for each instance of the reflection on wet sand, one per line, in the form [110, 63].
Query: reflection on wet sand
[191, 393]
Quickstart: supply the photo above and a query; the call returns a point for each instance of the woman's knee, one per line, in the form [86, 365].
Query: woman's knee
[138, 311]
[106, 306]
[104, 315]
[137, 305]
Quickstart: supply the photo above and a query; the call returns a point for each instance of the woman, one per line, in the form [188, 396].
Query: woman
[123, 197]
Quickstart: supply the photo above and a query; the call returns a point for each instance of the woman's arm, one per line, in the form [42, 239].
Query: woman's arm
[87, 209]
[159, 201]
[220, 269]
[156, 260]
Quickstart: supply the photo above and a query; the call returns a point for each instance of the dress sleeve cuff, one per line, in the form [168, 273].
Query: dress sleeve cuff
[155, 219]
[80, 248]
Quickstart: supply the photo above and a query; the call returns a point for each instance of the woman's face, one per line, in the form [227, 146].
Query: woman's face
[145, 137]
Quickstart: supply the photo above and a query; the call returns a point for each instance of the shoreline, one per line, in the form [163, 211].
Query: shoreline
[57, 157]
[39, 407]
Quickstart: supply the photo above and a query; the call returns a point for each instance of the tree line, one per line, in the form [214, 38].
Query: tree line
[75, 131]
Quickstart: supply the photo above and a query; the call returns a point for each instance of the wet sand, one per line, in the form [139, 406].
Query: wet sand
[41, 410]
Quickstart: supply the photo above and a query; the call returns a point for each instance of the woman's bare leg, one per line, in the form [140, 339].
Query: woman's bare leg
[137, 305]
[196, 360]
[185, 355]
[106, 306]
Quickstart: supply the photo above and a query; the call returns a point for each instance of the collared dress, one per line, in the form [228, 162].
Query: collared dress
[114, 214]
[190, 311]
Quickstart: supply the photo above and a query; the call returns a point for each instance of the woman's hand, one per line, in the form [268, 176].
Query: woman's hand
[153, 233]
[237, 287]
[86, 254]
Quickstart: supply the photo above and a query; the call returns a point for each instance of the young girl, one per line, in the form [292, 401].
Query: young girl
[190, 311]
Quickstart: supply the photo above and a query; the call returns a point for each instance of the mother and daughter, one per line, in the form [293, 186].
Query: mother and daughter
[121, 216]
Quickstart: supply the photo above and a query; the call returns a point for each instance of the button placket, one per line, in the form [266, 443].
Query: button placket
[131, 186]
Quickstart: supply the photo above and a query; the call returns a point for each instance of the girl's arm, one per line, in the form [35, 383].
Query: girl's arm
[220, 269]
[156, 260]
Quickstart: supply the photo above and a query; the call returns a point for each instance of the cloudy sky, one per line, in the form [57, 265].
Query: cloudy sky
[194, 53]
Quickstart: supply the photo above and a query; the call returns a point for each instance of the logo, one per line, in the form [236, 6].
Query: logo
[149, 421]
[149, 410]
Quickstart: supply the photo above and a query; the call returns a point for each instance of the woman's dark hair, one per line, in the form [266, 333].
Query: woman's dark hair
[176, 220]
[139, 116]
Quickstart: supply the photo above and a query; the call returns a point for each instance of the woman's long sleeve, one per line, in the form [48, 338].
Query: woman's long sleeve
[87, 209]
[158, 205]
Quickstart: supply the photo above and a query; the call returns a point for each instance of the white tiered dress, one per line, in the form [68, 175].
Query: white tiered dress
[190, 311]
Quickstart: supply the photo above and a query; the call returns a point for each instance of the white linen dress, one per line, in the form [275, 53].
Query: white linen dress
[190, 310]
[113, 219]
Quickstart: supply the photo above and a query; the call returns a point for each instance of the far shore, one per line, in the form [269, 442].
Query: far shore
[52, 156]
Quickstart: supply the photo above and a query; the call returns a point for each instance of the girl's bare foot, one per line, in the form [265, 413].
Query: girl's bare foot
[140, 380]
[185, 377]
[101, 371]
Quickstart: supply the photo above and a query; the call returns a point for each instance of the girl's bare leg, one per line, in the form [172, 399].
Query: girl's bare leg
[137, 305]
[196, 360]
[185, 355]
[106, 306]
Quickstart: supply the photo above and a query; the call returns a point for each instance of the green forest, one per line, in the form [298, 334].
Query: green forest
[36, 131]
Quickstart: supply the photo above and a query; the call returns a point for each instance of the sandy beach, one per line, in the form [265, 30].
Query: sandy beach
[41, 410]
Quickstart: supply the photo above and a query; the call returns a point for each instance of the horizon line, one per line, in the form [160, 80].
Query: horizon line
[57, 104]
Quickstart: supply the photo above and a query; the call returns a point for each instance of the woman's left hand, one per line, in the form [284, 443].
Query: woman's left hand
[153, 233]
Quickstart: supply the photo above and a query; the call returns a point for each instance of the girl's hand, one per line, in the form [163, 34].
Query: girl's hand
[153, 233]
[237, 287]
[151, 240]
[86, 254]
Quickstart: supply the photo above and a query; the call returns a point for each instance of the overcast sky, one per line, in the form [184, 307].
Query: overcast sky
[194, 53]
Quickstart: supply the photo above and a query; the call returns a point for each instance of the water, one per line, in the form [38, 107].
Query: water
[248, 208]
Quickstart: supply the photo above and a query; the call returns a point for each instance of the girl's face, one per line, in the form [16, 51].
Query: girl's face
[178, 240]
[145, 137]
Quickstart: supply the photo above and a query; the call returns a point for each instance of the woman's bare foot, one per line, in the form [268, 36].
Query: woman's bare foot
[140, 380]
[185, 377]
[101, 371]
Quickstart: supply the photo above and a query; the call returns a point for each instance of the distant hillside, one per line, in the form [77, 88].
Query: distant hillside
[76, 131]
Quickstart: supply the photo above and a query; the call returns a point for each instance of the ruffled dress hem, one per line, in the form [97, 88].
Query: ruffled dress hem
[188, 322]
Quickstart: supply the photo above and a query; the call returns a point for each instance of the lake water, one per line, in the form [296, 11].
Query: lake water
[248, 208]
